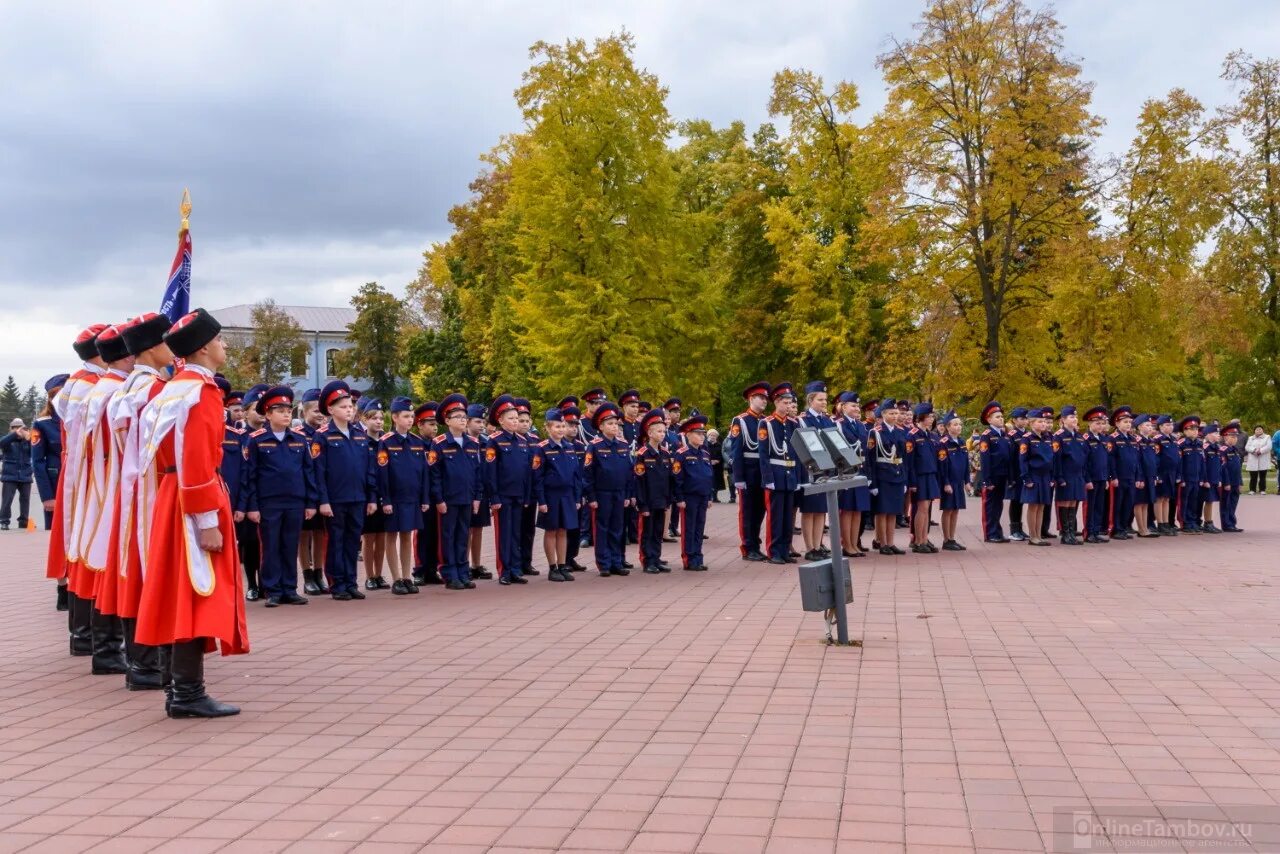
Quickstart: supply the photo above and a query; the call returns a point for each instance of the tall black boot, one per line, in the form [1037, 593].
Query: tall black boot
[108, 645]
[144, 661]
[79, 616]
[62, 598]
[166, 673]
[189, 697]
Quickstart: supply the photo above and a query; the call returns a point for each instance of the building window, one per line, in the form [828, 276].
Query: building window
[330, 356]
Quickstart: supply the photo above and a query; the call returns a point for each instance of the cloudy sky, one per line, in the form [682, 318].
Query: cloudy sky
[324, 142]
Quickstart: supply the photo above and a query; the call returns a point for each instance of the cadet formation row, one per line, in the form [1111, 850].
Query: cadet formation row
[178, 499]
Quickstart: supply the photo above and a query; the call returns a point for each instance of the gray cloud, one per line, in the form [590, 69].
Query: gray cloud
[324, 142]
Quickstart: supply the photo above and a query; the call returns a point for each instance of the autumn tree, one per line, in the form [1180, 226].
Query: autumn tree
[986, 130]
[375, 336]
[273, 349]
[606, 288]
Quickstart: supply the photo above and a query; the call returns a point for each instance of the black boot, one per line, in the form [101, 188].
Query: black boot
[79, 616]
[108, 644]
[144, 661]
[62, 598]
[189, 697]
[251, 590]
[309, 583]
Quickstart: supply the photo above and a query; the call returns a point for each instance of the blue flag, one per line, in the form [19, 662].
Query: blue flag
[177, 294]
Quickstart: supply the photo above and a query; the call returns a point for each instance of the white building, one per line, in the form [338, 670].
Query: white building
[325, 329]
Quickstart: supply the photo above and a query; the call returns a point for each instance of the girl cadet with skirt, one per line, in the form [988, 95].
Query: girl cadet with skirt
[1035, 464]
[953, 473]
[853, 502]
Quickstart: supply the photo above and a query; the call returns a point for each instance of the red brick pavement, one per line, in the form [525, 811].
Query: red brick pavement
[683, 712]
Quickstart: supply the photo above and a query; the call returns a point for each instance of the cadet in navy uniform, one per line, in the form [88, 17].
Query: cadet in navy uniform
[923, 484]
[1209, 496]
[1070, 456]
[1191, 458]
[1036, 461]
[1232, 476]
[813, 508]
[373, 550]
[311, 545]
[402, 493]
[456, 490]
[629, 403]
[1170, 469]
[887, 471]
[953, 473]
[346, 485]
[508, 475]
[1144, 485]
[994, 473]
[1127, 461]
[655, 489]
[232, 469]
[477, 429]
[46, 454]
[280, 492]
[573, 539]
[1015, 432]
[855, 502]
[672, 407]
[744, 433]
[529, 513]
[1099, 475]
[778, 473]
[695, 487]
[557, 491]
[426, 567]
[609, 487]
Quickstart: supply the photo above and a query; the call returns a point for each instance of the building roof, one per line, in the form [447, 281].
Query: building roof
[312, 318]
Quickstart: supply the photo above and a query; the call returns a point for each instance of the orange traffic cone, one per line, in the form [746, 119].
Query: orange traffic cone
[31, 523]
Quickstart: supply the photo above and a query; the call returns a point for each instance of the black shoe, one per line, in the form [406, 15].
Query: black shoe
[667, 538]
[702, 567]
[887, 550]
[252, 594]
[706, 536]
[1041, 543]
[4, 526]
[383, 584]
[519, 579]
[997, 540]
[897, 550]
[1093, 538]
[1190, 529]
[755, 557]
[1018, 537]
[530, 571]
[953, 546]
[664, 567]
[342, 596]
[554, 574]
[793, 553]
[62, 598]
[689, 567]
[207, 707]
[272, 602]
[661, 562]
[566, 574]
[398, 588]
[604, 573]
[371, 584]
[143, 681]
[812, 554]
[626, 564]
[574, 566]
[1122, 535]
[504, 579]
[469, 585]
[309, 585]
[432, 578]
[652, 569]
[412, 587]
[777, 561]
[291, 598]
[1211, 529]
[623, 571]
[481, 573]
[454, 584]
[355, 594]
[322, 583]
[632, 541]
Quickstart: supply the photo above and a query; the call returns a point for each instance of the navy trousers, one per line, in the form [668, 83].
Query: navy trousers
[1227, 511]
[280, 529]
[427, 542]
[750, 517]
[506, 536]
[693, 522]
[1015, 515]
[780, 510]
[528, 527]
[250, 550]
[1189, 505]
[992, 508]
[651, 527]
[1097, 499]
[608, 531]
[454, 539]
[1122, 513]
[345, 527]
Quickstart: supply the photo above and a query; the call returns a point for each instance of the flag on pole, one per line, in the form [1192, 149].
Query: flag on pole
[177, 293]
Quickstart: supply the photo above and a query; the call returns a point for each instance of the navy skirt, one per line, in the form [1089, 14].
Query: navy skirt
[403, 517]
[1073, 491]
[812, 503]
[1144, 494]
[1210, 495]
[890, 498]
[481, 519]
[927, 488]
[855, 500]
[1167, 489]
[560, 512]
[954, 501]
[375, 524]
[1039, 490]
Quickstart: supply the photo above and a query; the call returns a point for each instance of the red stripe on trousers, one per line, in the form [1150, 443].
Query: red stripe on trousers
[439, 540]
[684, 532]
[497, 540]
[639, 537]
[768, 514]
[742, 523]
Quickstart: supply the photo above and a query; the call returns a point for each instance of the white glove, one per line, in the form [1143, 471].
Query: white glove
[740, 485]
[875, 491]
[768, 486]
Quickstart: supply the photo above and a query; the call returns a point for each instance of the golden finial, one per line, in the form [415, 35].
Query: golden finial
[185, 208]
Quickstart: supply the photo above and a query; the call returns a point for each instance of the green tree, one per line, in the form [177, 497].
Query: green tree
[275, 348]
[375, 334]
[986, 128]
[607, 288]
[32, 401]
[11, 404]
[438, 361]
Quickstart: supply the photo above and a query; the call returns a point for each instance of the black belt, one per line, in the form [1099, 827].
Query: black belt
[169, 470]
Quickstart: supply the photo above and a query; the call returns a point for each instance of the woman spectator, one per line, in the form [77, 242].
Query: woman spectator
[716, 450]
[1258, 460]
[15, 446]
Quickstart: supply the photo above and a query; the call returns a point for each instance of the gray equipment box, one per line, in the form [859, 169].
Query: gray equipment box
[818, 585]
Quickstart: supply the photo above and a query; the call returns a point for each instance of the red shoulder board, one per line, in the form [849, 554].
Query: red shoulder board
[258, 432]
